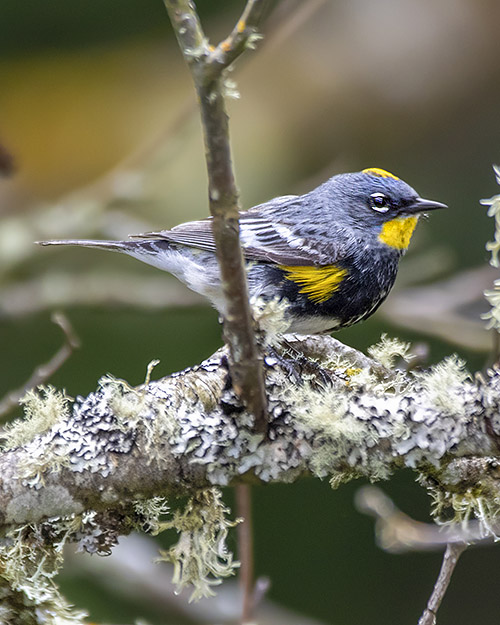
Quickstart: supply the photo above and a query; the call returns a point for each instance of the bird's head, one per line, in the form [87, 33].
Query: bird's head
[377, 200]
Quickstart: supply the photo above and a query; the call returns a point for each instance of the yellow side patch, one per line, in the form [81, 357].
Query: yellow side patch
[318, 283]
[381, 173]
[397, 232]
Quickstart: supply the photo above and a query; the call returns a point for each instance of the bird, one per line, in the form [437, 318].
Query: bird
[331, 254]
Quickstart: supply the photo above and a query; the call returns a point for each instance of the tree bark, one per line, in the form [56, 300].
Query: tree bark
[190, 431]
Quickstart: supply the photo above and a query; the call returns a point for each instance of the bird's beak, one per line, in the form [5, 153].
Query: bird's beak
[420, 205]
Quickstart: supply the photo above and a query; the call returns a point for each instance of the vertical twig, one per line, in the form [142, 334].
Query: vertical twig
[245, 550]
[208, 65]
[450, 559]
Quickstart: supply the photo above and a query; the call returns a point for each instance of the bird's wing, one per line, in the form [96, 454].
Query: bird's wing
[263, 237]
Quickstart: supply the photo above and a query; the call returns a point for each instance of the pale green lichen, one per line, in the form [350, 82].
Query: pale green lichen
[46, 458]
[127, 402]
[270, 316]
[132, 406]
[124, 401]
[388, 349]
[43, 408]
[342, 477]
[493, 295]
[230, 88]
[443, 384]
[351, 432]
[150, 512]
[493, 315]
[473, 504]
[376, 379]
[32, 554]
[494, 211]
[200, 557]
[28, 564]
[253, 40]
[324, 413]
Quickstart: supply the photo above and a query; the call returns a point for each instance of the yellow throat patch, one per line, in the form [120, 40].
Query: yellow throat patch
[318, 283]
[397, 232]
[381, 173]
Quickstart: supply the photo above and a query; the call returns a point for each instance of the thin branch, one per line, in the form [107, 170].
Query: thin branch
[450, 559]
[240, 38]
[245, 551]
[399, 533]
[207, 67]
[91, 288]
[130, 572]
[44, 372]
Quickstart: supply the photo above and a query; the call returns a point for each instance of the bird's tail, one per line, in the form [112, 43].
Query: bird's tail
[116, 246]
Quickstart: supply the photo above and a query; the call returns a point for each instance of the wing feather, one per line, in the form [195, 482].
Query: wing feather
[263, 236]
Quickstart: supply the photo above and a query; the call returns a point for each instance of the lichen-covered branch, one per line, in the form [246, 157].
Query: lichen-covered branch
[103, 466]
[208, 66]
[330, 417]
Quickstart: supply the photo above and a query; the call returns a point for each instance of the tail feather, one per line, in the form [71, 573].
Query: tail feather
[117, 246]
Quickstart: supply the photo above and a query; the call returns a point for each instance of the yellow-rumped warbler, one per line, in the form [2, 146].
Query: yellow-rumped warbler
[332, 253]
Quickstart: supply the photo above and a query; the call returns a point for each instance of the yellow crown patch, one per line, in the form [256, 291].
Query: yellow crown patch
[381, 173]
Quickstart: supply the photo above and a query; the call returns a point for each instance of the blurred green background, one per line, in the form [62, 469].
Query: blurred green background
[99, 136]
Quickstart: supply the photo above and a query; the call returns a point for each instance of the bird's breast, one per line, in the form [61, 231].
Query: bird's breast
[333, 295]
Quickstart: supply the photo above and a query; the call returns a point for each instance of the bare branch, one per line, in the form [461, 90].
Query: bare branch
[450, 559]
[131, 572]
[207, 68]
[188, 29]
[242, 36]
[245, 550]
[44, 372]
[399, 533]
[59, 288]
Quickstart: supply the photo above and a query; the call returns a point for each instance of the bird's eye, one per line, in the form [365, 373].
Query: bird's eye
[379, 202]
